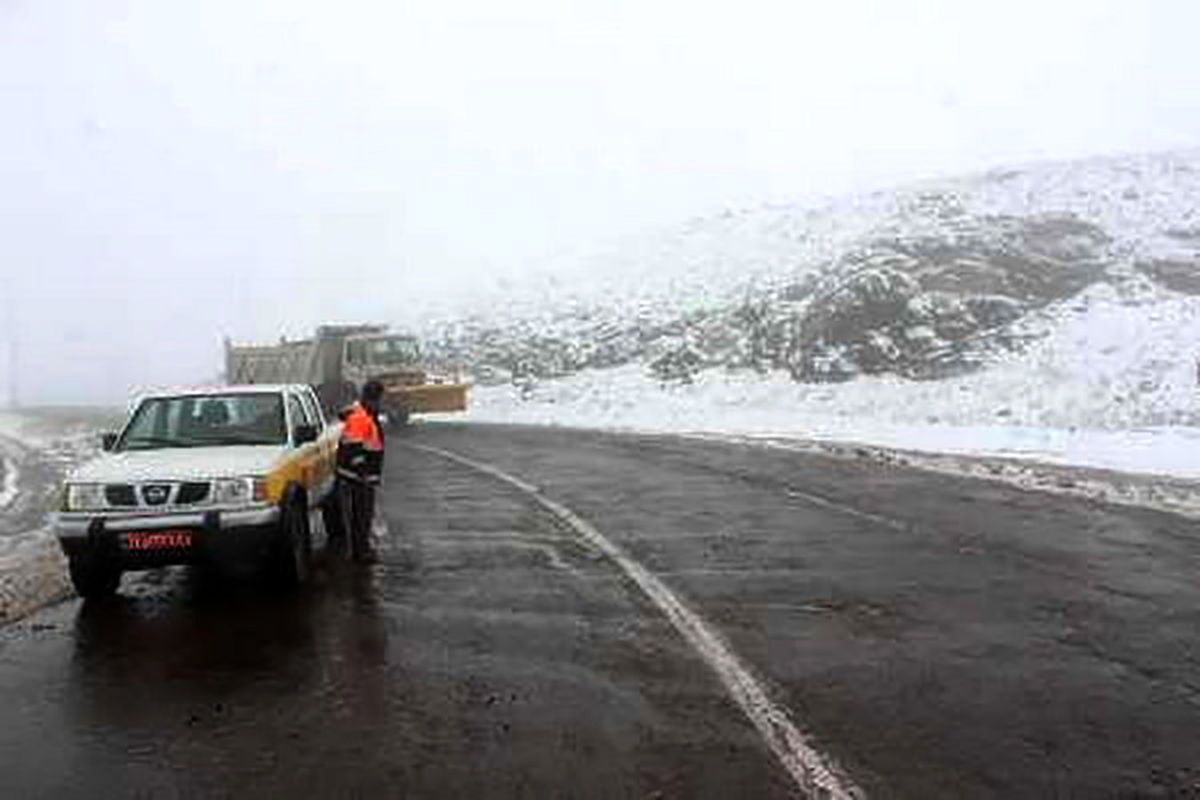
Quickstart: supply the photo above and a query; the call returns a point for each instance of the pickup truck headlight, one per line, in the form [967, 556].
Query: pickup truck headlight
[239, 491]
[85, 496]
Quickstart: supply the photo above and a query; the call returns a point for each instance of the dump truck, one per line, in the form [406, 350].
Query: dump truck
[339, 359]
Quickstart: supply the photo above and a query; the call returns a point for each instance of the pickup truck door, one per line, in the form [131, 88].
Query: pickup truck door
[315, 462]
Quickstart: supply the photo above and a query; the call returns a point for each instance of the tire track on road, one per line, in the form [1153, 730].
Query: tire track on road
[814, 774]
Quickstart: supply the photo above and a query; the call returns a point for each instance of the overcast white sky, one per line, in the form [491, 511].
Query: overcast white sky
[172, 171]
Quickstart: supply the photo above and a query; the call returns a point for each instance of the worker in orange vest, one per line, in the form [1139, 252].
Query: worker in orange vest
[360, 464]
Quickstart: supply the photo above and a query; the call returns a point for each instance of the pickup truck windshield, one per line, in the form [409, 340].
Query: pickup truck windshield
[206, 421]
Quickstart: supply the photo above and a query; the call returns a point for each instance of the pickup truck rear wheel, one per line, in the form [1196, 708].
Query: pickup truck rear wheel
[293, 546]
[93, 576]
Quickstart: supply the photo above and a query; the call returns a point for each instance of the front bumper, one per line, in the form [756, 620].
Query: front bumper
[217, 535]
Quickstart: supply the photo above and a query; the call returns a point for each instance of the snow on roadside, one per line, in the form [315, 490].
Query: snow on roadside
[771, 409]
[1110, 387]
[1164, 450]
[36, 450]
[31, 576]
[1149, 467]
[8, 490]
[1120, 487]
[22, 429]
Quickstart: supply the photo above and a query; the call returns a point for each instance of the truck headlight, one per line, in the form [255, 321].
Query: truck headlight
[85, 496]
[239, 491]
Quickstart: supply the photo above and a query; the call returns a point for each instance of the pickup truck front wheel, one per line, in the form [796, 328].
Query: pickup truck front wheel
[93, 576]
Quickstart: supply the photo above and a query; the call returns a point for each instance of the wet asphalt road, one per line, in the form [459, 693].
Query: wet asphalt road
[938, 638]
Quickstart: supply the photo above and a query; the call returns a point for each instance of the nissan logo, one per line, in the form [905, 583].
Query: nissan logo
[155, 495]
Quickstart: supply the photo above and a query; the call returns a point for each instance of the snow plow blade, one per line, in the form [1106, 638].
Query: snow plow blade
[433, 397]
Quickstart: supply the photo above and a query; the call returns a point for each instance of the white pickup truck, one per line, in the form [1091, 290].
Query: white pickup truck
[204, 476]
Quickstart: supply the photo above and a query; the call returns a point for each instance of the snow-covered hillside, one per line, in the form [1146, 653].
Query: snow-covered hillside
[919, 281]
[1054, 296]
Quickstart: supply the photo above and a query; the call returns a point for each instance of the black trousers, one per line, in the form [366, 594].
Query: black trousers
[359, 506]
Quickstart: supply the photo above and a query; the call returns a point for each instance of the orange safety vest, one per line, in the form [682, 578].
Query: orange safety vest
[361, 428]
[360, 453]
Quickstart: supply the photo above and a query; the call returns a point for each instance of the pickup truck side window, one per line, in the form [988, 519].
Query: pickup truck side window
[312, 409]
[297, 411]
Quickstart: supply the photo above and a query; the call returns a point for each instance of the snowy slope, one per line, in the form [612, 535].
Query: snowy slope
[1139, 200]
[1041, 310]
[942, 268]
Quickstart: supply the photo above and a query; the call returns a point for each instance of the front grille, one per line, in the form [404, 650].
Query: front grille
[191, 493]
[120, 494]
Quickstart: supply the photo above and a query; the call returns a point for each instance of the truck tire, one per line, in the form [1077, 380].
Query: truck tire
[397, 418]
[293, 546]
[93, 576]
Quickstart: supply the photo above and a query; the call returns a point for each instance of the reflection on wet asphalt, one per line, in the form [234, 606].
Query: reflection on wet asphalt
[485, 656]
[949, 638]
[197, 684]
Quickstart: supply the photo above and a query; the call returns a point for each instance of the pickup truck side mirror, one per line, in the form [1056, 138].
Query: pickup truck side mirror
[303, 434]
[108, 441]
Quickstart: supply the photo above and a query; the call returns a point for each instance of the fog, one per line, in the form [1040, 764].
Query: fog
[174, 173]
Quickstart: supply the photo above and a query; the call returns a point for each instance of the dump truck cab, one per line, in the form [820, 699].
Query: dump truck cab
[384, 357]
[396, 361]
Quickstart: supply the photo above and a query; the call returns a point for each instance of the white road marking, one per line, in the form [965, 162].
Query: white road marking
[814, 773]
[816, 500]
[800, 447]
